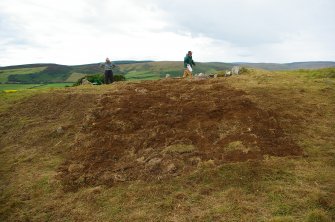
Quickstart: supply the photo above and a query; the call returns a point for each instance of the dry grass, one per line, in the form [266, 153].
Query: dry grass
[275, 189]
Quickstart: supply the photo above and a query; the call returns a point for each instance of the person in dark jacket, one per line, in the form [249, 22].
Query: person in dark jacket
[108, 66]
[188, 65]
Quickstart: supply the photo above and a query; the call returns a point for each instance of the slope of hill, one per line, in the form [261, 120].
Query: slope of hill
[133, 70]
[253, 147]
[290, 66]
[52, 73]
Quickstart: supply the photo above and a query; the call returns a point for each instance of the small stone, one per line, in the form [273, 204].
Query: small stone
[154, 161]
[60, 130]
[305, 154]
[119, 178]
[195, 160]
[171, 168]
[153, 164]
[141, 91]
[75, 168]
[141, 160]
[96, 190]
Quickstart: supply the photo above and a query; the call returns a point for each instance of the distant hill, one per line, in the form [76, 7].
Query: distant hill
[49, 73]
[289, 66]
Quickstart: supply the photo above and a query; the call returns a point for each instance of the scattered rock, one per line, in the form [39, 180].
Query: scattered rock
[171, 168]
[60, 130]
[85, 82]
[236, 70]
[195, 160]
[228, 73]
[167, 76]
[144, 137]
[153, 164]
[141, 160]
[201, 76]
[119, 178]
[75, 168]
[95, 190]
[141, 91]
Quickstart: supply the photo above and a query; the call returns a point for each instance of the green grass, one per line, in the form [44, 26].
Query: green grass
[54, 85]
[32, 86]
[24, 91]
[75, 76]
[312, 73]
[22, 71]
[277, 189]
[141, 75]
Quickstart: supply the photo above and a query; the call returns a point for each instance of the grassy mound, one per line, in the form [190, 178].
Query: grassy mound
[171, 150]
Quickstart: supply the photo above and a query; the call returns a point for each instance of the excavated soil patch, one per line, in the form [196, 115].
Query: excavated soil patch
[152, 130]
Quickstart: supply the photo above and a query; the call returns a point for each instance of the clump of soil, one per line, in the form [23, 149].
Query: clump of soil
[153, 130]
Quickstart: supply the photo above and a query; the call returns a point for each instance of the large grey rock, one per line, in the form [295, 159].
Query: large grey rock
[85, 82]
[236, 70]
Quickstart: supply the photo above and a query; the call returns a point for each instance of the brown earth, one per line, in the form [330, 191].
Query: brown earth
[154, 130]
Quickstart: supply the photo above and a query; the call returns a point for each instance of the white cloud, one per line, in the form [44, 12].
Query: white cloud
[86, 31]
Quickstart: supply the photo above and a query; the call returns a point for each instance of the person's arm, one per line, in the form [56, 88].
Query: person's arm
[193, 63]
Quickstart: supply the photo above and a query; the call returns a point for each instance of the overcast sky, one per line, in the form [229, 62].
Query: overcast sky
[87, 31]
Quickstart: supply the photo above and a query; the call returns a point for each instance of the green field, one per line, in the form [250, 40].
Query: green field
[32, 86]
[134, 75]
[23, 71]
[75, 76]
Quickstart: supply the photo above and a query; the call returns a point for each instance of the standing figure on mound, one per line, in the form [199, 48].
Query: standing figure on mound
[108, 71]
[188, 65]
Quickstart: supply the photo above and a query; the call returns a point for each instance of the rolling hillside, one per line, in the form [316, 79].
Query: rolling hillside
[133, 70]
[290, 66]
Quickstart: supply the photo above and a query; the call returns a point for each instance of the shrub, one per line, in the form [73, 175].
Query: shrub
[98, 79]
[119, 78]
[244, 70]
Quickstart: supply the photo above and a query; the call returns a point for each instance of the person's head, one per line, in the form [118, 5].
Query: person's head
[189, 53]
[107, 60]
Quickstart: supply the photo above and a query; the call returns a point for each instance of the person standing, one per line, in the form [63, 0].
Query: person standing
[188, 65]
[108, 66]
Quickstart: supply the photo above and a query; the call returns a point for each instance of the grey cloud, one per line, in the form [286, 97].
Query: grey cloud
[245, 22]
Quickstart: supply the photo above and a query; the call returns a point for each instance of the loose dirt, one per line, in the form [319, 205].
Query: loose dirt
[158, 129]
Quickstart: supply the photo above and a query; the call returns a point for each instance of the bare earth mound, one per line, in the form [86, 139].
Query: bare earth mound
[153, 130]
